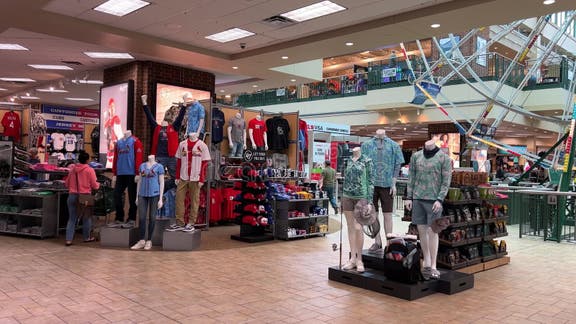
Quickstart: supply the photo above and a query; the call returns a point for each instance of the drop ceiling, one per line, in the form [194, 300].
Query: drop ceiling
[173, 31]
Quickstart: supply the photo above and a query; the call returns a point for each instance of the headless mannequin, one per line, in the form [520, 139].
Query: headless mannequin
[188, 99]
[150, 213]
[355, 234]
[232, 144]
[251, 134]
[388, 222]
[428, 238]
[127, 134]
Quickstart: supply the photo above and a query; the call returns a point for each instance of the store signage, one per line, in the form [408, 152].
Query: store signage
[70, 114]
[254, 156]
[388, 73]
[328, 127]
[321, 152]
[569, 140]
[63, 125]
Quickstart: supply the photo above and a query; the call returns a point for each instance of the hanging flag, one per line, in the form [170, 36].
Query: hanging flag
[420, 97]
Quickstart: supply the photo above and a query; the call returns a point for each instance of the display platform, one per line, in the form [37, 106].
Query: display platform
[253, 238]
[159, 228]
[118, 237]
[182, 241]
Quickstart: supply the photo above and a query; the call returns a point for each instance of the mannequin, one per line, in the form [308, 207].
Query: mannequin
[428, 184]
[196, 115]
[387, 158]
[150, 193]
[357, 185]
[127, 159]
[165, 137]
[257, 132]
[237, 135]
[193, 156]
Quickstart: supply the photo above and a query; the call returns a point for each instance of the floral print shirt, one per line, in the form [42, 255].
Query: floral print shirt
[429, 179]
[386, 158]
[358, 180]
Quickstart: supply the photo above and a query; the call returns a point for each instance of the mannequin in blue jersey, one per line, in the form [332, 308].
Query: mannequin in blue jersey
[196, 115]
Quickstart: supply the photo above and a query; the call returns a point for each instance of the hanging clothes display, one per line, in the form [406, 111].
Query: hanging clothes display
[278, 133]
[12, 125]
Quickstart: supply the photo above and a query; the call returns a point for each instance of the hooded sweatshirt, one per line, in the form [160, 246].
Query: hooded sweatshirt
[86, 179]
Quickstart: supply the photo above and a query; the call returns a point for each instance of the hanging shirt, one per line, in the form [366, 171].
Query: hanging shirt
[57, 141]
[258, 128]
[95, 140]
[238, 130]
[128, 156]
[196, 112]
[278, 133]
[192, 160]
[70, 142]
[303, 134]
[150, 179]
[386, 157]
[429, 178]
[217, 125]
[11, 124]
[358, 180]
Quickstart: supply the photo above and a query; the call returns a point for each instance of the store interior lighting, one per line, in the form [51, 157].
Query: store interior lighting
[230, 35]
[121, 7]
[312, 11]
[107, 55]
[13, 47]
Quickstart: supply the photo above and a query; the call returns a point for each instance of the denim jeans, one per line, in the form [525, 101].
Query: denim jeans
[169, 163]
[237, 149]
[123, 182]
[147, 209]
[330, 192]
[73, 210]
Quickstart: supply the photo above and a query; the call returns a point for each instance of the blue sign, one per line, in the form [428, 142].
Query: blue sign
[419, 97]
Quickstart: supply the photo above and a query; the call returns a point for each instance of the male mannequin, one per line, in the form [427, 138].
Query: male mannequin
[237, 135]
[193, 156]
[387, 158]
[257, 132]
[150, 193]
[165, 137]
[127, 159]
[428, 184]
[357, 185]
[196, 115]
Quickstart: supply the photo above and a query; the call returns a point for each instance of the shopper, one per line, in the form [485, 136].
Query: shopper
[81, 180]
[33, 153]
[329, 183]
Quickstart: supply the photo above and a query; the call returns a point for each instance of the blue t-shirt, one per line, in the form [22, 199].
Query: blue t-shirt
[195, 113]
[125, 164]
[150, 179]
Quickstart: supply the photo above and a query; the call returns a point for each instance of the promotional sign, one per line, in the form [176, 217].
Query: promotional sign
[75, 118]
[569, 140]
[481, 43]
[321, 152]
[419, 96]
[388, 73]
[450, 144]
[64, 125]
[114, 103]
[328, 127]
[168, 95]
[254, 156]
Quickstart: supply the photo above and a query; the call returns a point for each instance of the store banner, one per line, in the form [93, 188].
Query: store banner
[328, 127]
[389, 73]
[70, 114]
[419, 96]
[481, 44]
[63, 125]
[321, 152]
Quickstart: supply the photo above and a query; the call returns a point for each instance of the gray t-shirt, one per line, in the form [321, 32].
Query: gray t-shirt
[238, 129]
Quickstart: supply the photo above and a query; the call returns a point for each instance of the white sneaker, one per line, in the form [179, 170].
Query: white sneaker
[188, 228]
[349, 265]
[360, 266]
[139, 245]
[148, 245]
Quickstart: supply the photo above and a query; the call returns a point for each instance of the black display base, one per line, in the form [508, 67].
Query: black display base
[253, 238]
[452, 282]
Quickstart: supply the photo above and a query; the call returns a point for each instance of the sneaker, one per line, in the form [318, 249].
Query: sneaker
[375, 247]
[434, 274]
[115, 224]
[129, 224]
[426, 273]
[188, 228]
[175, 228]
[349, 265]
[148, 245]
[360, 266]
[336, 210]
[139, 245]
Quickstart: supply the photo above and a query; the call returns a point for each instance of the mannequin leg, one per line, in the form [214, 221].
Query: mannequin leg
[424, 242]
[376, 202]
[433, 251]
[351, 264]
[359, 236]
[388, 223]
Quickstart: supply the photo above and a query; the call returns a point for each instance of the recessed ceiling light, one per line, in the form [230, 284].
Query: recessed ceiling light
[548, 2]
[121, 7]
[292, 80]
[435, 25]
[316, 10]
[222, 90]
[2, 89]
[79, 99]
[235, 68]
[50, 67]
[11, 103]
[228, 96]
[13, 47]
[349, 44]
[284, 57]
[88, 81]
[29, 97]
[52, 90]
[255, 86]
[230, 35]
[17, 80]
[105, 55]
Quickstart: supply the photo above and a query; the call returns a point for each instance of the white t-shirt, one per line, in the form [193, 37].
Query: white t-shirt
[70, 140]
[57, 141]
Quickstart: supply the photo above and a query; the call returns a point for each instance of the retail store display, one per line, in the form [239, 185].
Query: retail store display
[150, 199]
[387, 158]
[12, 125]
[257, 133]
[278, 132]
[237, 135]
[196, 116]
[218, 121]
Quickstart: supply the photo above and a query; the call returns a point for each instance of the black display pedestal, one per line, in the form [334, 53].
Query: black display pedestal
[251, 234]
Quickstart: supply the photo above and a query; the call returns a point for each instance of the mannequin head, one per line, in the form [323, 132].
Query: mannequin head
[164, 123]
[127, 133]
[380, 133]
[187, 97]
[356, 152]
[431, 143]
[238, 115]
[259, 117]
[151, 158]
[193, 136]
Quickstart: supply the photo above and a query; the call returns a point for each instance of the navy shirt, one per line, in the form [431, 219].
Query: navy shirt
[217, 125]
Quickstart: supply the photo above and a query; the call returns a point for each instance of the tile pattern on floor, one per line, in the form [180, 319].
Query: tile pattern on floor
[275, 282]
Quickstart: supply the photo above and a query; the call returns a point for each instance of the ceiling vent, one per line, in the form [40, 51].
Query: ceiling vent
[278, 21]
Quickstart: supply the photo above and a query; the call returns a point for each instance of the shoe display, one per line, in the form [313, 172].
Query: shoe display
[375, 247]
[129, 224]
[188, 228]
[349, 265]
[139, 245]
[148, 245]
[175, 228]
[426, 273]
[434, 274]
[360, 266]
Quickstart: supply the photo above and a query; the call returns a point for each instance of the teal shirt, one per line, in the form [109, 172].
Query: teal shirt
[429, 179]
[386, 157]
[358, 180]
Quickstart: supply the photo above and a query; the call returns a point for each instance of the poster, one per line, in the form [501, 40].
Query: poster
[450, 144]
[169, 95]
[321, 152]
[114, 103]
[481, 43]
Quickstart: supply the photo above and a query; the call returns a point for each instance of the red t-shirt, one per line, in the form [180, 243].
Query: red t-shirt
[258, 128]
[11, 123]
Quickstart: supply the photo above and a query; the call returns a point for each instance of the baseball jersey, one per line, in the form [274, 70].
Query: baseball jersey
[11, 124]
[190, 156]
[70, 142]
[150, 179]
[258, 128]
[128, 156]
[57, 141]
[196, 112]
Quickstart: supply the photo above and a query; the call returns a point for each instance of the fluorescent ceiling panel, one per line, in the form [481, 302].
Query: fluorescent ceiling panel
[121, 7]
[50, 67]
[313, 11]
[88, 81]
[2, 89]
[230, 35]
[52, 90]
[29, 97]
[17, 80]
[13, 47]
[105, 55]
[79, 99]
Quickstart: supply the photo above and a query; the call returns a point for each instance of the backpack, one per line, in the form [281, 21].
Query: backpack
[402, 261]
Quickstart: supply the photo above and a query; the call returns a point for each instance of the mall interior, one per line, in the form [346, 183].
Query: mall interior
[307, 161]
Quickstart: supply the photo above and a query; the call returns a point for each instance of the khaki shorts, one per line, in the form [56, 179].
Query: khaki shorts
[348, 203]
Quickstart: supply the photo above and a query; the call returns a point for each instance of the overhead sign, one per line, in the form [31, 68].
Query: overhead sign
[70, 114]
[328, 127]
[63, 125]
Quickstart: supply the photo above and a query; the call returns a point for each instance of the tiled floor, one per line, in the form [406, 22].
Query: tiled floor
[275, 282]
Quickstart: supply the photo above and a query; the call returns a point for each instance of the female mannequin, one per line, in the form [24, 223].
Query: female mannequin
[193, 156]
[257, 132]
[237, 135]
[357, 185]
[428, 183]
[150, 194]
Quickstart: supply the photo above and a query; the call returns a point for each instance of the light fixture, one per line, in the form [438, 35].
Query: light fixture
[230, 35]
[12, 99]
[29, 97]
[107, 55]
[17, 80]
[227, 96]
[435, 26]
[11, 103]
[312, 11]
[51, 89]
[292, 80]
[87, 81]
[2, 89]
[235, 68]
[50, 67]
[79, 99]
[284, 57]
[222, 90]
[349, 44]
[121, 7]
[27, 94]
[254, 86]
[13, 47]
[548, 2]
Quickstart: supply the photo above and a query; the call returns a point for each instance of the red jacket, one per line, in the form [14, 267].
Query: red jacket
[172, 140]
